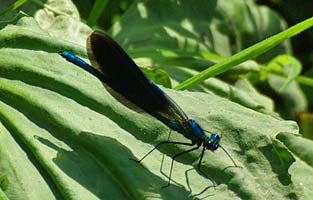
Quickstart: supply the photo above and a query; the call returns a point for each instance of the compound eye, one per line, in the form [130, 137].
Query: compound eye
[215, 137]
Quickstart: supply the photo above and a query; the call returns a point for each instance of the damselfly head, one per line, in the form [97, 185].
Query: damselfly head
[213, 142]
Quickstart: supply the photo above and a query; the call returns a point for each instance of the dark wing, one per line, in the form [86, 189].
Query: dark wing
[126, 82]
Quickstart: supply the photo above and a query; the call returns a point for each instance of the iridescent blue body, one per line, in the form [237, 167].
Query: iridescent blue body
[177, 120]
[189, 128]
[79, 62]
[122, 77]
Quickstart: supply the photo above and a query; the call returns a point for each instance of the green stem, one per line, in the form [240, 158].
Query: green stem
[300, 79]
[304, 80]
[96, 12]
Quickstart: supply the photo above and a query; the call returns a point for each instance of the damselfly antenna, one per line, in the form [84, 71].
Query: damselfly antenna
[229, 156]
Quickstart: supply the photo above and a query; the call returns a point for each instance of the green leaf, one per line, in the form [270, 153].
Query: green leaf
[242, 93]
[283, 63]
[158, 76]
[61, 128]
[301, 147]
[282, 73]
[59, 18]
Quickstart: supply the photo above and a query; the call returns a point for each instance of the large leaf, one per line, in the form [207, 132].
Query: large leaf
[292, 98]
[302, 149]
[182, 43]
[64, 137]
